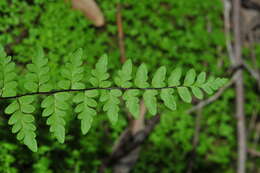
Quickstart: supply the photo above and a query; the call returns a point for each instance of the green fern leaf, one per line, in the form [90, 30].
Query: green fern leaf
[150, 101]
[159, 77]
[197, 92]
[38, 76]
[7, 75]
[168, 98]
[111, 104]
[23, 121]
[11, 108]
[184, 93]
[99, 74]
[132, 102]
[141, 77]
[55, 107]
[201, 79]
[207, 86]
[175, 76]
[190, 77]
[73, 72]
[217, 83]
[125, 75]
[85, 110]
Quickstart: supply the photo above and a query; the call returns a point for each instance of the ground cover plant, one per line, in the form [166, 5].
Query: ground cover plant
[166, 36]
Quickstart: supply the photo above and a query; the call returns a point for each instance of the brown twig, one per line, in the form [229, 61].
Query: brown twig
[129, 143]
[120, 33]
[254, 73]
[253, 152]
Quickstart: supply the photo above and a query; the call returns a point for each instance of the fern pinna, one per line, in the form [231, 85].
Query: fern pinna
[103, 91]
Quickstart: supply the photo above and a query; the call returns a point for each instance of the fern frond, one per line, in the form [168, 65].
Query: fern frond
[162, 88]
[55, 107]
[111, 102]
[8, 83]
[99, 74]
[86, 108]
[73, 72]
[23, 121]
[38, 76]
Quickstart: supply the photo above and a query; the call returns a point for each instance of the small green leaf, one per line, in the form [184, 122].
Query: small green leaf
[26, 99]
[124, 75]
[197, 92]
[11, 108]
[27, 108]
[59, 133]
[141, 77]
[86, 120]
[132, 102]
[168, 99]
[64, 84]
[62, 96]
[99, 74]
[14, 118]
[101, 65]
[184, 94]
[190, 77]
[174, 79]
[127, 69]
[159, 77]
[150, 101]
[48, 111]
[207, 89]
[201, 78]
[111, 104]
[48, 101]
[31, 143]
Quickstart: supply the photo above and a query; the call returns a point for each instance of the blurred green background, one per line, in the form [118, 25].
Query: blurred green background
[187, 33]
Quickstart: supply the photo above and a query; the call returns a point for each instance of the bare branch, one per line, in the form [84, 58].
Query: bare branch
[253, 152]
[240, 113]
[255, 74]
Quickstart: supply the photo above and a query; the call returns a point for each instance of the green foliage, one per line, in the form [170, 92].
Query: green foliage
[100, 75]
[163, 33]
[73, 72]
[55, 105]
[141, 77]
[124, 75]
[23, 121]
[7, 75]
[7, 157]
[38, 76]
[85, 108]
[150, 101]
[132, 102]
[111, 102]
